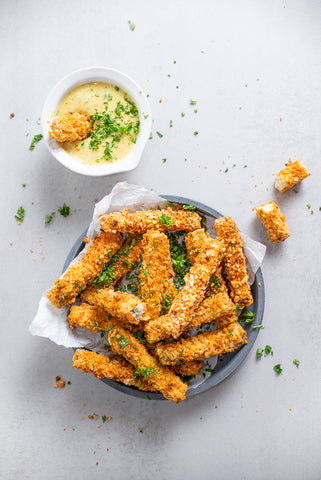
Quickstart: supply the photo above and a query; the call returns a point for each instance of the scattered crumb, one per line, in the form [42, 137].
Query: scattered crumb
[61, 383]
[86, 240]
[242, 406]
[97, 463]
[290, 408]
[96, 199]
[312, 212]
[280, 119]
[74, 189]
[57, 378]
[12, 115]
[64, 429]
[31, 250]
[81, 418]
[160, 101]
[98, 426]
[257, 410]
[79, 196]
[124, 444]
[83, 404]
[11, 244]
[55, 385]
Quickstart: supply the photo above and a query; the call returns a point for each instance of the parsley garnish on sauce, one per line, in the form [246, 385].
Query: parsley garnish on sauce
[35, 140]
[20, 215]
[64, 210]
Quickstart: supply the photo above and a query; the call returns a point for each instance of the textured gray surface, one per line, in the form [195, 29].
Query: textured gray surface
[265, 426]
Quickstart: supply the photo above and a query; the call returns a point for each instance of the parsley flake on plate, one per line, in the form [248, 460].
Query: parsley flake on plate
[277, 368]
[35, 140]
[64, 210]
[20, 215]
[132, 25]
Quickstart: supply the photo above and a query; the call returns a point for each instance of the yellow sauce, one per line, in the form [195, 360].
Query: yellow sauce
[113, 103]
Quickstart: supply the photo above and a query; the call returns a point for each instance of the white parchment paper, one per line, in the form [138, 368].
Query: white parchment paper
[50, 322]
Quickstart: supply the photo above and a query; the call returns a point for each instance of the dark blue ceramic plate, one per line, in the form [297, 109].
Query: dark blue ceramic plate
[230, 361]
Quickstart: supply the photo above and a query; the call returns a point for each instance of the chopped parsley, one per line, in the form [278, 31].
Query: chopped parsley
[139, 334]
[182, 114]
[247, 316]
[64, 210]
[160, 134]
[123, 342]
[48, 218]
[195, 133]
[268, 349]
[259, 352]
[260, 327]
[308, 206]
[296, 362]
[192, 102]
[166, 304]
[20, 215]
[144, 373]
[147, 397]
[24, 185]
[35, 140]
[104, 418]
[215, 281]
[132, 25]
[164, 160]
[277, 368]
[189, 207]
[180, 260]
[165, 220]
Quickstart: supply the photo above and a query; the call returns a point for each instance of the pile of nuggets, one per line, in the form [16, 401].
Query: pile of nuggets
[149, 332]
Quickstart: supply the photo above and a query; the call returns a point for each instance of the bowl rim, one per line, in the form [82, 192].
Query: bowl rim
[91, 74]
[236, 358]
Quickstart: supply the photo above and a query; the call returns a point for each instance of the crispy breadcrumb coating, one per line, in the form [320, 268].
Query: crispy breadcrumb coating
[112, 366]
[77, 276]
[122, 305]
[121, 263]
[93, 318]
[196, 242]
[216, 307]
[274, 221]
[156, 273]
[137, 223]
[188, 368]
[234, 261]
[146, 366]
[189, 297]
[291, 175]
[202, 346]
[70, 126]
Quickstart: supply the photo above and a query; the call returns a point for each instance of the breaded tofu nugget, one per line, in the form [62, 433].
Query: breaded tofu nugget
[165, 220]
[156, 273]
[146, 366]
[93, 318]
[291, 175]
[189, 297]
[120, 264]
[274, 221]
[70, 127]
[122, 305]
[77, 276]
[234, 261]
[203, 345]
[111, 366]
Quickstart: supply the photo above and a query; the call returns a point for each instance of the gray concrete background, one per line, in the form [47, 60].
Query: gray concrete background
[248, 64]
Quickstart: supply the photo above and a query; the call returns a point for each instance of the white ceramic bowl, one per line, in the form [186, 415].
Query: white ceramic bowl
[97, 74]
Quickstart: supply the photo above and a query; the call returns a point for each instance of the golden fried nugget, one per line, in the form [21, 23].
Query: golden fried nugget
[93, 318]
[203, 345]
[196, 242]
[70, 126]
[78, 275]
[291, 175]
[122, 305]
[146, 366]
[121, 263]
[156, 273]
[189, 297]
[234, 261]
[218, 307]
[111, 366]
[137, 223]
[274, 221]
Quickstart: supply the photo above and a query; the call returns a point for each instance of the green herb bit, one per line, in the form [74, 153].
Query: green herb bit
[20, 214]
[165, 220]
[145, 116]
[35, 140]
[144, 372]
[164, 160]
[160, 134]
[260, 327]
[48, 219]
[295, 191]
[308, 206]
[195, 133]
[268, 349]
[171, 123]
[277, 368]
[259, 352]
[123, 342]
[139, 334]
[167, 302]
[117, 88]
[247, 316]
[226, 170]
[104, 418]
[182, 114]
[193, 102]
[132, 25]
[147, 397]
[296, 362]
[215, 280]
[64, 210]
[189, 207]
[24, 185]
[69, 382]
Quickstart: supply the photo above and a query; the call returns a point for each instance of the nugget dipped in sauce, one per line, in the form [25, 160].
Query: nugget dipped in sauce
[70, 127]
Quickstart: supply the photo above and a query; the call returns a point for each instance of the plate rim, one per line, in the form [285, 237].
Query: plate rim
[242, 352]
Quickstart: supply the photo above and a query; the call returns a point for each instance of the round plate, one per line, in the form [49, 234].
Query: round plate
[227, 363]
